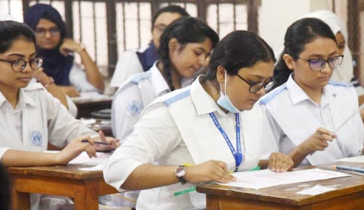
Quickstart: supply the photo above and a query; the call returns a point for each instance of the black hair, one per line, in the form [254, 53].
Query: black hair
[185, 30]
[239, 49]
[299, 34]
[10, 31]
[5, 198]
[169, 9]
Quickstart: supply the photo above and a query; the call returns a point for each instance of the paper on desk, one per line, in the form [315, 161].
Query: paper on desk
[267, 178]
[316, 190]
[98, 167]
[358, 159]
[90, 96]
[83, 159]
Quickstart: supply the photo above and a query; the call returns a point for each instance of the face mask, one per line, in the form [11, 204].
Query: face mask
[224, 100]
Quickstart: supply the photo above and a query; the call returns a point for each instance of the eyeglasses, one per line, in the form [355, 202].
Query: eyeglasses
[20, 64]
[160, 28]
[42, 31]
[318, 64]
[256, 86]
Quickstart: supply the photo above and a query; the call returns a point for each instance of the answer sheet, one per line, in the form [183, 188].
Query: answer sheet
[267, 178]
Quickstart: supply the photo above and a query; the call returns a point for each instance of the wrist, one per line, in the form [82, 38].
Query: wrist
[50, 82]
[181, 172]
[81, 48]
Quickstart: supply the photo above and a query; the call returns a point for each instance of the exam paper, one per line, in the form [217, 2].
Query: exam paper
[267, 178]
[83, 159]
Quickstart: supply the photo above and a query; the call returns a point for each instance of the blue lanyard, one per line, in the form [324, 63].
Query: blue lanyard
[237, 155]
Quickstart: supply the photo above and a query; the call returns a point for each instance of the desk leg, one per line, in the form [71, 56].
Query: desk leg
[86, 198]
[20, 201]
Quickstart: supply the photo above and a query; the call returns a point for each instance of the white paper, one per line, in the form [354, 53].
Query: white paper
[83, 159]
[267, 178]
[90, 96]
[358, 159]
[316, 190]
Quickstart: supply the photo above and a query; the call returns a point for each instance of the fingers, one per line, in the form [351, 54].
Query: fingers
[222, 174]
[279, 162]
[102, 136]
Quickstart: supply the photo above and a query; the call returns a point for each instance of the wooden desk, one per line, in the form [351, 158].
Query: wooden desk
[348, 196]
[83, 186]
[86, 107]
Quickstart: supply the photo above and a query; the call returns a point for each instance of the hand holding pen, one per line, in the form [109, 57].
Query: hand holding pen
[209, 171]
[317, 141]
[102, 143]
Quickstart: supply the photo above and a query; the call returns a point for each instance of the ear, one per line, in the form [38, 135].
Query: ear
[220, 74]
[289, 61]
[173, 45]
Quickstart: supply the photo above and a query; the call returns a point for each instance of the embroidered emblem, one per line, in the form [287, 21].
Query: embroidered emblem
[134, 108]
[36, 138]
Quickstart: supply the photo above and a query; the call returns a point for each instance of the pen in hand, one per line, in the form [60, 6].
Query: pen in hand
[96, 142]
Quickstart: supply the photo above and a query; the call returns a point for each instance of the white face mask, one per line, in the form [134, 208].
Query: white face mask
[224, 100]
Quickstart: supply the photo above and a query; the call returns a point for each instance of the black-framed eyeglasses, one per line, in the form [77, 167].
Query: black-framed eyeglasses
[256, 86]
[318, 64]
[42, 31]
[19, 65]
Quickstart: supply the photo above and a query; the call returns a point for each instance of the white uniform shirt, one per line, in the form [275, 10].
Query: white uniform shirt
[127, 65]
[290, 117]
[72, 108]
[38, 118]
[132, 97]
[78, 79]
[177, 129]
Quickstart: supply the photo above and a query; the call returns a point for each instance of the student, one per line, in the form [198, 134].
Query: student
[56, 49]
[182, 127]
[30, 116]
[5, 198]
[47, 81]
[132, 62]
[302, 115]
[181, 55]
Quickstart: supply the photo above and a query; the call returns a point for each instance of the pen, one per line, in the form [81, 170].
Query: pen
[96, 142]
[348, 168]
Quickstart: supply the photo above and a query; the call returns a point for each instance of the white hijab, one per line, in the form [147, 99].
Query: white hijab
[343, 73]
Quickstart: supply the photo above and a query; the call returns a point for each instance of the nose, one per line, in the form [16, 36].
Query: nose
[27, 69]
[47, 34]
[261, 92]
[202, 60]
[326, 69]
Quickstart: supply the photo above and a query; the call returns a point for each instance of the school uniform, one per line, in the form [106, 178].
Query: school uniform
[290, 117]
[133, 62]
[78, 79]
[132, 97]
[37, 120]
[178, 128]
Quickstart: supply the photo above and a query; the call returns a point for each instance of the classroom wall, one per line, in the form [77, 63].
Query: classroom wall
[276, 15]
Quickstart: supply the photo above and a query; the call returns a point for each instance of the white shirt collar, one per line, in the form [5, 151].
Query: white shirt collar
[159, 83]
[22, 102]
[298, 95]
[204, 103]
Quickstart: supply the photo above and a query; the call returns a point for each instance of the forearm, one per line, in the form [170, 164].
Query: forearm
[150, 176]
[297, 155]
[92, 72]
[22, 158]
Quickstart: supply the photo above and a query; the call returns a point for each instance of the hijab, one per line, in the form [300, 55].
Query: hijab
[55, 64]
[344, 73]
